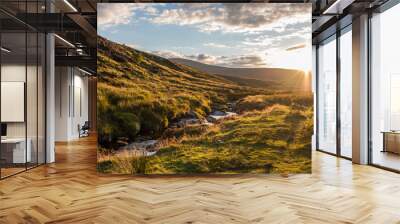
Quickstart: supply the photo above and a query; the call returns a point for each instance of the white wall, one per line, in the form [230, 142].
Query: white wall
[14, 72]
[62, 82]
[33, 126]
[71, 102]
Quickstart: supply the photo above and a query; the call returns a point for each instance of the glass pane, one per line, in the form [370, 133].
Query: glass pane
[327, 97]
[31, 98]
[41, 98]
[386, 89]
[346, 94]
[13, 86]
[22, 85]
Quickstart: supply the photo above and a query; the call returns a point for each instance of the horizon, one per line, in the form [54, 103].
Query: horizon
[208, 34]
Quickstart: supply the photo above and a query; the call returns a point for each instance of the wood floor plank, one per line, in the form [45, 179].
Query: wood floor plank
[70, 191]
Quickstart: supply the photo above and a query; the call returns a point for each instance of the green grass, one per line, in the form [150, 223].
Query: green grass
[267, 141]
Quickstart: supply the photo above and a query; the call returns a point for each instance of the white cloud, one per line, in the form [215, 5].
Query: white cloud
[168, 54]
[231, 17]
[151, 10]
[203, 58]
[247, 60]
[296, 47]
[271, 41]
[217, 45]
[120, 13]
[134, 46]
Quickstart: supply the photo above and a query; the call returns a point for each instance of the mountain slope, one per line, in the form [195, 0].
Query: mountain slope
[283, 78]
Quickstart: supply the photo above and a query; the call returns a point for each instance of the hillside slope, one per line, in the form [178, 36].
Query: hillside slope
[139, 94]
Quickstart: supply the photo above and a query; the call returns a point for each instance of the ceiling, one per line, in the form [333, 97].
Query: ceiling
[75, 22]
[332, 15]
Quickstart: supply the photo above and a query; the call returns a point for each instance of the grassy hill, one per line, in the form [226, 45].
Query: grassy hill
[140, 95]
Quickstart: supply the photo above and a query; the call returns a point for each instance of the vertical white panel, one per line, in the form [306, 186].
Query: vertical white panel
[327, 97]
[50, 110]
[12, 101]
[360, 90]
[346, 94]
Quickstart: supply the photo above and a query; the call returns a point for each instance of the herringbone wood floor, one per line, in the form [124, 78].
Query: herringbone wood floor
[70, 191]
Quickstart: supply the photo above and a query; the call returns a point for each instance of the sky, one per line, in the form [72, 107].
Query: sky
[225, 34]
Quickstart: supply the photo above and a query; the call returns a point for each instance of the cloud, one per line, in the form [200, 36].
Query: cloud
[204, 58]
[300, 46]
[114, 14]
[134, 46]
[231, 17]
[229, 61]
[266, 29]
[151, 10]
[216, 45]
[246, 61]
[273, 40]
[109, 15]
[250, 60]
[168, 54]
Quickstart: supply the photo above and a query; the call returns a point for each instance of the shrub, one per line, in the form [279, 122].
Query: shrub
[152, 123]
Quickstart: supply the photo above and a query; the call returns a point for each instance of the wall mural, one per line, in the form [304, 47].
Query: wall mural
[204, 88]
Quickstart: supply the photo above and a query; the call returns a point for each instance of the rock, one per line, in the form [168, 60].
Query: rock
[173, 125]
[206, 123]
[215, 117]
[231, 106]
[144, 145]
[218, 113]
[188, 121]
[142, 138]
[230, 114]
[151, 153]
[192, 114]
[135, 152]
[143, 148]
